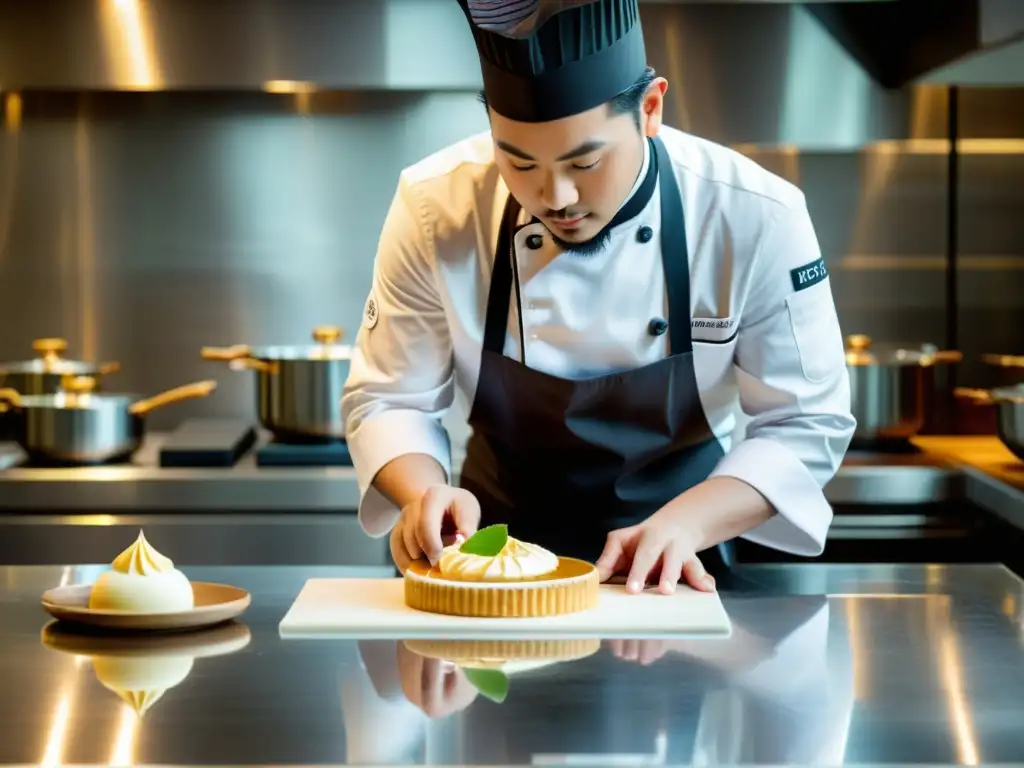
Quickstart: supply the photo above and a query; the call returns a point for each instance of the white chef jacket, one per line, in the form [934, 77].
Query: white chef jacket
[766, 338]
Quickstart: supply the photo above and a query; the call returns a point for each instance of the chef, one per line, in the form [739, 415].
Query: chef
[609, 293]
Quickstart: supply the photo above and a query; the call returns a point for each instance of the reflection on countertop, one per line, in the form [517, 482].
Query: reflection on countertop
[867, 664]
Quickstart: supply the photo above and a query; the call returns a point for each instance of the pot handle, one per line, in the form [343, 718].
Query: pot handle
[9, 398]
[252, 364]
[947, 356]
[225, 354]
[176, 395]
[979, 396]
[108, 368]
[1005, 361]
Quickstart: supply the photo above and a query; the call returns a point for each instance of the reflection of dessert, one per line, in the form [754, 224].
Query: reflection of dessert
[142, 669]
[488, 664]
[142, 580]
[493, 575]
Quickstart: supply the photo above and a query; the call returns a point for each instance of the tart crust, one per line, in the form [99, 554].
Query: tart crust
[494, 653]
[572, 587]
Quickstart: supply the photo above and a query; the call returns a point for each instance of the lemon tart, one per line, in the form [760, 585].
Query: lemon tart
[492, 575]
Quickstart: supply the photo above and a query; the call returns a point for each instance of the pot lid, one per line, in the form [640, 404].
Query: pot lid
[860, 350]
[50, 361]
[326, 347]
[76, 393]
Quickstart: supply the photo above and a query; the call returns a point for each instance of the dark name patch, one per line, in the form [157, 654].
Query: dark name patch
[808, 274]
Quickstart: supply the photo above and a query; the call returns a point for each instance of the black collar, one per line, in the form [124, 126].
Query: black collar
[643, 194]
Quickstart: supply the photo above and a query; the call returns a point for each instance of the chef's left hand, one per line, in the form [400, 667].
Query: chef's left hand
[664, 539]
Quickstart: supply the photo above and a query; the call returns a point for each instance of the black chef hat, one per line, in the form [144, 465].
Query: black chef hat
[547, 59]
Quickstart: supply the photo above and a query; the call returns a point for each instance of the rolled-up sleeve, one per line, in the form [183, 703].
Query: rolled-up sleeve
[793, 384]
[401, 381]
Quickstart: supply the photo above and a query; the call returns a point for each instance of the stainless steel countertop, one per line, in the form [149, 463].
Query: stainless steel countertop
[871, 664]
[144, 485]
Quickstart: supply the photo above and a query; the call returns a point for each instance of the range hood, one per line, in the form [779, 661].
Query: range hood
[974, 42]
[816, 75]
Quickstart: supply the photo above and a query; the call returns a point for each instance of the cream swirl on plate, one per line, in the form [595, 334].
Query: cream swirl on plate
[142, 580]
[517, 560]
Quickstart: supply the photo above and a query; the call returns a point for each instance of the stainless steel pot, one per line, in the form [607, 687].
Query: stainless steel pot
[77, 426]
[44, 374]
[298, 388]
[889, 386]
[1009, 405]
[1009, 368]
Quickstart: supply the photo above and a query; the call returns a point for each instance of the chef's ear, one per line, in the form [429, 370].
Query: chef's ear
[652, 106]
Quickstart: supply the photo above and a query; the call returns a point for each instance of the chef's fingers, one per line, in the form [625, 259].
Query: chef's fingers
[412, 546]
[465, 512]
[399, 551]
[651, 651]
[671, 567]
[432, 688]
[697, 577]
[646, 556]
[433, 506]
[614, 553]
[616, 646]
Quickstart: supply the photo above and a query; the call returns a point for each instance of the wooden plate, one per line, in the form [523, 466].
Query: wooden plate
[214, 603]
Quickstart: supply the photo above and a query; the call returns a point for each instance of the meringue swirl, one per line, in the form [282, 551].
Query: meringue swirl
[142, 559]
[517, 560]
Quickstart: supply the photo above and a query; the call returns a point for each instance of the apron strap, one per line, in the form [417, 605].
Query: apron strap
[499, 296]
[675, 256]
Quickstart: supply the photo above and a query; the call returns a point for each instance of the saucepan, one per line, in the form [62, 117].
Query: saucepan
[1010, 368]
[889, 385]
[43, 375]
[1009, 404]
[298, 388]
[79, 426]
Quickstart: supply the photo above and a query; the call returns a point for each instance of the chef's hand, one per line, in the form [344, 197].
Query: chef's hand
[662, 540]
[439, 688]
[432, 522]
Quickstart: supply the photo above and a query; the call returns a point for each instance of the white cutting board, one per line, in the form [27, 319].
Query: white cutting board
[365, 608]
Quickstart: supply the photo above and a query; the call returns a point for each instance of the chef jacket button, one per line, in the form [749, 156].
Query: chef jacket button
[533, 242]
[657, 327]
[644, 234]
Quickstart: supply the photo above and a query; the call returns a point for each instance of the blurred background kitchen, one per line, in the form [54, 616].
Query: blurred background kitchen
[183, 173]
[189, 173]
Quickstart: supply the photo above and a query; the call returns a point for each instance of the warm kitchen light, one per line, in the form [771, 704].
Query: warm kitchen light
[289, 86]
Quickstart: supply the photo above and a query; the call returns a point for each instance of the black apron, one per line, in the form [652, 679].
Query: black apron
[564, 462]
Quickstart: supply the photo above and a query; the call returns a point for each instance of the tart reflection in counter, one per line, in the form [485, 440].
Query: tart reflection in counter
[142, 668]
[492, 575]
[488, 664]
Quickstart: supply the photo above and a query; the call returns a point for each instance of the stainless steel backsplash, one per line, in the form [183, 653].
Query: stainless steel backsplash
[142, 226]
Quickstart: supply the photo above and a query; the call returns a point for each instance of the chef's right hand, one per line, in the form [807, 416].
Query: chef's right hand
[438, 688]
[432, 522]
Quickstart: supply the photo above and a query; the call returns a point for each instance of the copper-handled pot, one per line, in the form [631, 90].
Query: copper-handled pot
[298, 388]
[44, 374]
[79, 426]
[889, 385]
[1009, 404]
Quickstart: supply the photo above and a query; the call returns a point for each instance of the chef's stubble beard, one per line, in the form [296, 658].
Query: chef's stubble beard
[596, 244]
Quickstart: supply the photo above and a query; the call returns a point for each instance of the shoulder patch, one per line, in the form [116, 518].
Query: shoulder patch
[371, 313]
[808, 274]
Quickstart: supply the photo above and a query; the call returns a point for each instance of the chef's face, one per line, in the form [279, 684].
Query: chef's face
[575, 173]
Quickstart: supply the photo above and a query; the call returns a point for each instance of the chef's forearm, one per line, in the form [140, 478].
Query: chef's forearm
[721, 508]
[406, 478]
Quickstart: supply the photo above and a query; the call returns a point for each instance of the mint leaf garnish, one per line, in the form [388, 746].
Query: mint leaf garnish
[492, 683]
[487, 542]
